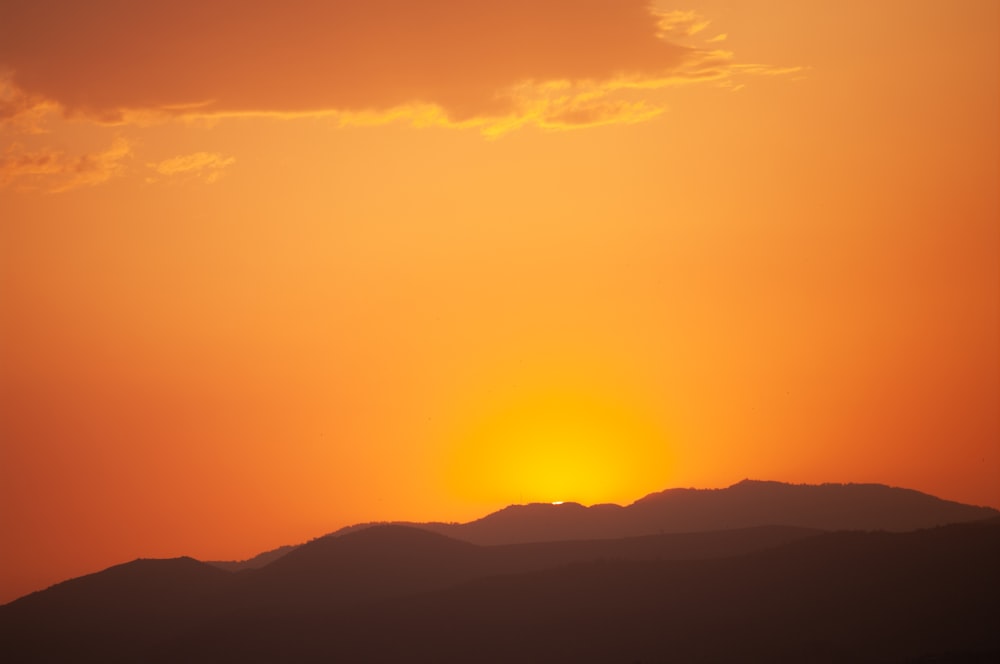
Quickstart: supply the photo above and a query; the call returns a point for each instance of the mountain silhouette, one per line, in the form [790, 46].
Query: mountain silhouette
[126, 610]
[393, 593]
[131, 605]
[747, 504]
[744, 505]
[852, 597]
[366, 565]
[757, 577]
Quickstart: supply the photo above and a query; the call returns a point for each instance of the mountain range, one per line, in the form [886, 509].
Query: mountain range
[743, 505]
[764, 572]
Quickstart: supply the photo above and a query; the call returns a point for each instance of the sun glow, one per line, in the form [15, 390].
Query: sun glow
[556, 447]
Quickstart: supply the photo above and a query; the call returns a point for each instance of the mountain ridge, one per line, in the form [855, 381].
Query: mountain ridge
[900, 510]
[706, 510]
[744, 504]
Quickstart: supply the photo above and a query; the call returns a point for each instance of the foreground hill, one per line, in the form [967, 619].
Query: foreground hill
[330, 572]
[400, 594]
[842, 597]
[388, 561]
[129, 605]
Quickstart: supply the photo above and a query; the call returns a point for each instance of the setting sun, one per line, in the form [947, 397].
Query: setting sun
[558, 444]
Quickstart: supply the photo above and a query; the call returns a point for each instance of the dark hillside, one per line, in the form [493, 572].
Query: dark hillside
[398, 594]
[841, 597]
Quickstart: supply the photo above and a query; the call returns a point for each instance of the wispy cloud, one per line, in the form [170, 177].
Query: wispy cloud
[205, 166]
[676, 23]
[56, 171]
[20, 111]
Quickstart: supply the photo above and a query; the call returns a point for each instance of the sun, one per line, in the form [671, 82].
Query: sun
[559, 447]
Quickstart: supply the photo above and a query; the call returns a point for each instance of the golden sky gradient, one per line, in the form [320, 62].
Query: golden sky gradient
[268, 269]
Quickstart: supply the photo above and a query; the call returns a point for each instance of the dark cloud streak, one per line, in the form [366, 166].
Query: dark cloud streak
[101, 57]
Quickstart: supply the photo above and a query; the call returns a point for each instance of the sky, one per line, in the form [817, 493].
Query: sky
[269, 269]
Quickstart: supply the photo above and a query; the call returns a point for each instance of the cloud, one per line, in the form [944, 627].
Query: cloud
[679, 23]
[20, 111]
[206, 166]
[55, 171]
[485, 64]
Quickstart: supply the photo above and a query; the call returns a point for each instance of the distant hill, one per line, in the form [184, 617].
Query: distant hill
[744, 505]
[394, 593]
[747, 504]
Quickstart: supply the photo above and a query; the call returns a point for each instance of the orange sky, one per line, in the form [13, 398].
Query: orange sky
[268, 269]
